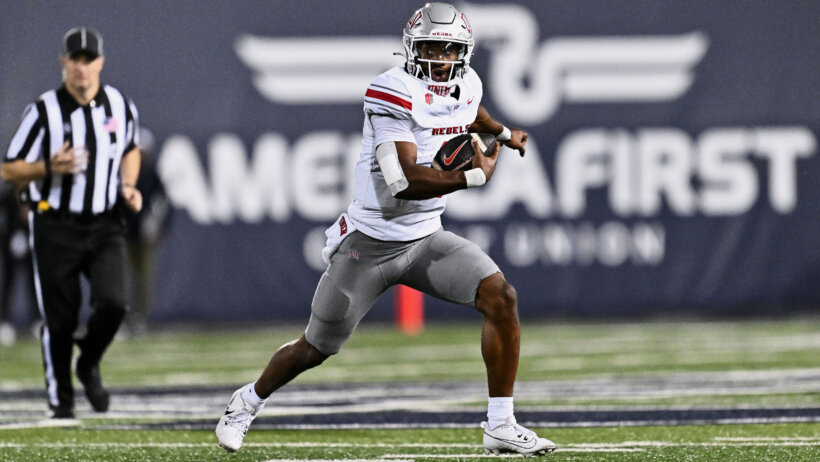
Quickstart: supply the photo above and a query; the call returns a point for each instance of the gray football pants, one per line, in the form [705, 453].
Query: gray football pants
[442, 264]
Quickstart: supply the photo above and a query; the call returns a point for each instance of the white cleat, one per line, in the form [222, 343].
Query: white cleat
[233, 426]
[511, 437]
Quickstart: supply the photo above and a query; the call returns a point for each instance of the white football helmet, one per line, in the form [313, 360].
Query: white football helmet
[442, 23]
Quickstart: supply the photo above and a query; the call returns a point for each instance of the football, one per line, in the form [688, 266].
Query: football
[457, 152]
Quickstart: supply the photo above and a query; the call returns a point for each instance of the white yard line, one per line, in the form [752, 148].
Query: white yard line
[41, 424]
[815, 439]
[393, 457]
[339, 460]
[630, 446]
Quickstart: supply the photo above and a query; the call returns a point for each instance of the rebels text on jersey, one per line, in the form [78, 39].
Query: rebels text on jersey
[400, 107]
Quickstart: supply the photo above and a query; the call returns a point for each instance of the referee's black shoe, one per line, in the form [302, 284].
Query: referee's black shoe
[89, 375]
[60, 413]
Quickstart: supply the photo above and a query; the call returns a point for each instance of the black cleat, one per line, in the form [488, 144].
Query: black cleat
[61, 413]
[89, 375]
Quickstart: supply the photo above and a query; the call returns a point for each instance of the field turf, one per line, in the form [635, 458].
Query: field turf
[657, 391]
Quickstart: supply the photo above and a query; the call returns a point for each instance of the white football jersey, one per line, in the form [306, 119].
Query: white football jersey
[400, 107]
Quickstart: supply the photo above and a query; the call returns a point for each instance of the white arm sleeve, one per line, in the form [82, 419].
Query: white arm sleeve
[388, 159]
[389, 130]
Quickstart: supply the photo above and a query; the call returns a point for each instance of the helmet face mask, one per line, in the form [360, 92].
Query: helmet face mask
[438, 43]
[439, 61]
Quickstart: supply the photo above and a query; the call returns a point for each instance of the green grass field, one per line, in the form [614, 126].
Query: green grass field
[724, 443]
[567, 367]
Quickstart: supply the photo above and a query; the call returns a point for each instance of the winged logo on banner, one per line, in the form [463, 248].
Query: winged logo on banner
[527, 80]
[316, 70]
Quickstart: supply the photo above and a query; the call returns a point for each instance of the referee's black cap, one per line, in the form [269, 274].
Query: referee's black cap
[83, 40]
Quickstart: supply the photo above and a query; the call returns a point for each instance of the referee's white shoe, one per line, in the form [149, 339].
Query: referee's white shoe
[233, 426]
[511, 437]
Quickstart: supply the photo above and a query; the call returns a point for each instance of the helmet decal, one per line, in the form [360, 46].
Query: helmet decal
[414, 21]
[466, 24]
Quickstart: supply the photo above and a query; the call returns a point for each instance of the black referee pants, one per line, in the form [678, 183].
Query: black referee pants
[64, 248]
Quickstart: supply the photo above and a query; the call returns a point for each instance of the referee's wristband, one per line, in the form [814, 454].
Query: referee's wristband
[505, 135]
[475, 177]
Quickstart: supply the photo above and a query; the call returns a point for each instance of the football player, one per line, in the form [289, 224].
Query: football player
[392, 234]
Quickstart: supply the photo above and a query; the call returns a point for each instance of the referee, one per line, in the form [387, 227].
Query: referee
[76, 150]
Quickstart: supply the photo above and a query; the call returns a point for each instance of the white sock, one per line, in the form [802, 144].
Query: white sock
[250, 397]
[498, 411]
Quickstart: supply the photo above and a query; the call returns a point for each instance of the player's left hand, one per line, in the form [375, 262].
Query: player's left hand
[517, 141]
[132, 196]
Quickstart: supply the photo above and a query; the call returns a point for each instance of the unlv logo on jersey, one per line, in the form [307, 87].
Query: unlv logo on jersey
[441, 90]
[428, 98]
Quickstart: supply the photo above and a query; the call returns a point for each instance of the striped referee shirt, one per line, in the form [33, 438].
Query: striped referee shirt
[107, 128]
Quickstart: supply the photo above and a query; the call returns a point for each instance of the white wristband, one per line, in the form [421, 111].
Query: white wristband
[505, 134]
[475, 177]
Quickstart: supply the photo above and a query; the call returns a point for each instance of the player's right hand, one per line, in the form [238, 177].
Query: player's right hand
[69, 160]
[485, 163]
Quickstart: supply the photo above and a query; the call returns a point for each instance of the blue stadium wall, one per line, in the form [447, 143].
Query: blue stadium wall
[672, 163]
